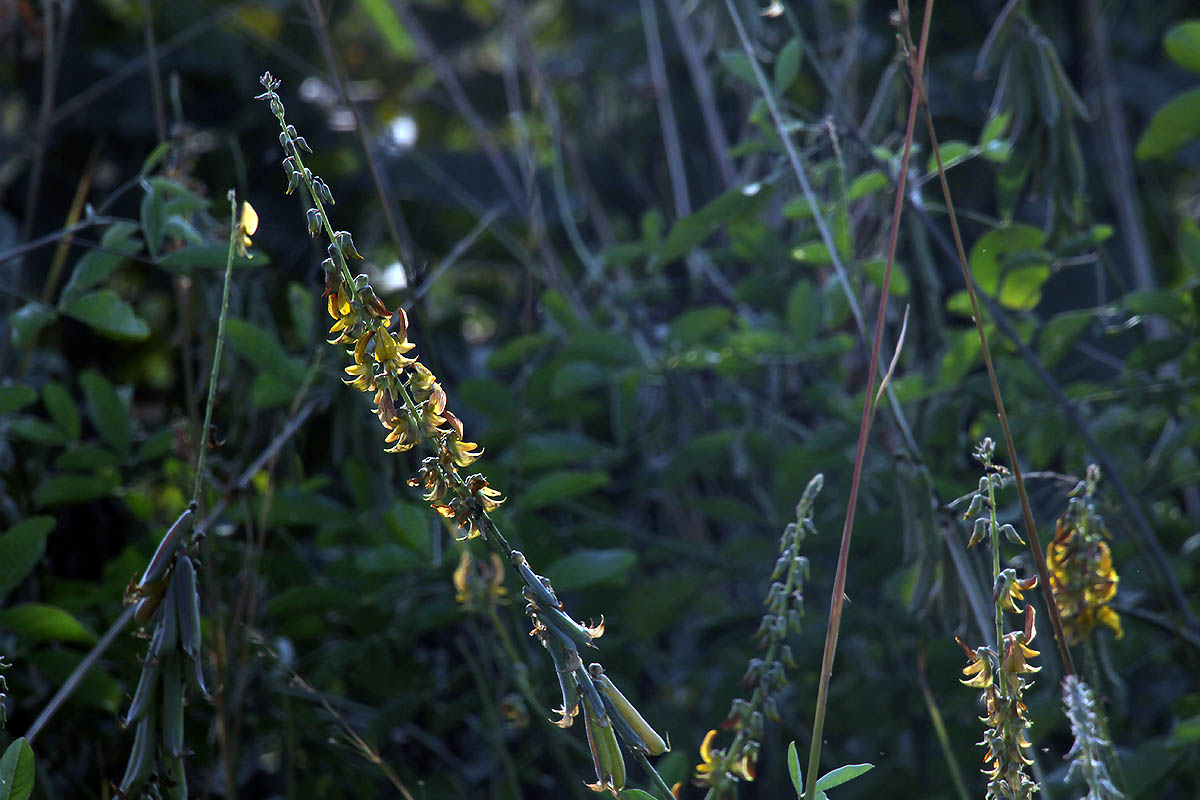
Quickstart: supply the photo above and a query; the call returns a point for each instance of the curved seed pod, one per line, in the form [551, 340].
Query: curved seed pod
[196, 678]
[146, 607]
[567, 684]
[143, 696]
[176, 780]
[606, 754]
[187, 603]
[166, 632]
[172, 705]
[588, 689]
[166, 550]
[556, 619]
[652, 743]
[544, 596]
[141, 758]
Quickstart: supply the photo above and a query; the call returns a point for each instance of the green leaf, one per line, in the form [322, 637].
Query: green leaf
[262, 348]
[994, 130]
[107, 411]
[585, 568]
[814, 253]
[738, 65]
[842, 774]
[1060, 333]
[62, 409]
[952, 153]
[154, 218]
[1182, 43]
[1175, 124]
[17, 771]
[1186, 731]
[699, 324]
[691, 230]
[21, 548]
[28, 321]
[867, 183]
[40, 622]
[15, 396]
[208, 256]
[32, 429]
[793, 761]
[60, 490]
[1159, 302]
[385, 21]
[875, 269]
[637, 794]
[803, 312]
[156, 155]
[554, 487]
[88, 456]
[105, 311]
[1011, 266]
[95, 266]
[787, 65]
[518, 350]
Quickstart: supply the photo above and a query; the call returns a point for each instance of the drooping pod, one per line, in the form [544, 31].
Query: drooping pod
[651, 741]
[606, 753]
[144, 695]
[172, 705]
[141, 757]
[161, 560]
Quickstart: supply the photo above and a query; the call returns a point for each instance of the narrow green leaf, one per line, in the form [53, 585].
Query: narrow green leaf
[95, 266]
[793, 761]
[21, 548]
[867, 183]
[105, 311]
[154, 218]
[32, 429]
[842, 774]
[17, 771]
[700, 324]
[40, 622]
[156, 155]
[554, 487]
[953, 153]
[388, 25]
[62, 409]
[60, 490]
[107, 411]
[584, 568]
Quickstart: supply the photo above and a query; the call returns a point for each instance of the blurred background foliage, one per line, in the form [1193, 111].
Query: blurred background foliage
[608, 261]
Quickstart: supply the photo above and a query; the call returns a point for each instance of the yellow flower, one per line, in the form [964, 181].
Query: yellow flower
[710, 759]
[247, 225]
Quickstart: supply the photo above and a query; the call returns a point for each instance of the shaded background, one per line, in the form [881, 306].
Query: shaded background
[610, 265]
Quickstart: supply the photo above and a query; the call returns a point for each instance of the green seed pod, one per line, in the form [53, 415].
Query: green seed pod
[606, 754]
[143, 696]
[187, 603]
[652, 743]
[172, 705]
[165, 552]
[166, 632]
[141, 758]
[176, 783]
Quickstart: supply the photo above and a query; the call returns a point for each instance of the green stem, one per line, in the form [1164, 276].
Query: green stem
[995, 532]
[655, 778]
[234, 233]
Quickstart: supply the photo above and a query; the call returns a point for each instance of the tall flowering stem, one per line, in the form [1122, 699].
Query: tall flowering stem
[412, 408]
[1000, 673]
[722, 769]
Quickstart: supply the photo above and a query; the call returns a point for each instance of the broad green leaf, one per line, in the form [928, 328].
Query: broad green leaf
[61, 490]
[994, 130]
[28, 321]
[15, 396]
[87, 456]
[385, 21]
[1160, 302]
[793, 761]
[95, 266]
[1011, 266]
[814, 253]
[40, 622]
[875, 268]
[584, 568]
[208, 256]
[842, 774]
[261, 347]
[738, 65]
[787, 65]
[699, 324]
[803, 312]
[1175, 124]
[574, 378]
[17, 771]
[21, 548]
[105, 311]
[1182, 43]
[1060, 333]
[62, 409]
[691, 230]
[107, 411]
[554, 487]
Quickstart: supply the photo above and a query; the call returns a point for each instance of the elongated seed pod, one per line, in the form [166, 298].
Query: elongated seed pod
[196, 677]
[652, 742]
[141, 757]
[187, 603]
[143, 696]
[544, 597]
[172, 704]
[176, 780]
[606, 753]
[553, 618]
[166, 550]
[166, 632]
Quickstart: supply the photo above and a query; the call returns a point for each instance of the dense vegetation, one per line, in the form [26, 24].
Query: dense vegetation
[640, 246]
